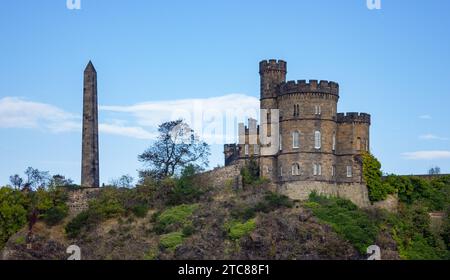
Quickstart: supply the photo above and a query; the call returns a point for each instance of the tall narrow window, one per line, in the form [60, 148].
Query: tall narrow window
[256, 149]
[367, 145]
[317, 109]
[358, 144]
[246, 149]
[317, 140]
[334, 141]
[349, 171]
[298, 110]
[281, 171]
[295, 140]
[281, 142]
[333, 171]
[295, 169]
[315, 169]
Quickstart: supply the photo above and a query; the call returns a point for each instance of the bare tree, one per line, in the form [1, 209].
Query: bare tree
[125, 181]
[176, 147]
[37, 178]
[434, 170]
[16, 181]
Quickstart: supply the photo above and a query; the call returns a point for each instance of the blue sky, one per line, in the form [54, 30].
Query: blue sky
[392, 63]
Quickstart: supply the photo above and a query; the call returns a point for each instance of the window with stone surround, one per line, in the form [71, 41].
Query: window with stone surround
[333, 171]
[317, 110]
[317, 169]
[349, 171]
[281, 142]
[295, 140]
[295, 169]
[358, 144]
[256, 149]
[246, 149]
[317, 140]
[334, 141]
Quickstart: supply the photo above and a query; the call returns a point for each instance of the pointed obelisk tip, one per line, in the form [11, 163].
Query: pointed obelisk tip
[90, 67]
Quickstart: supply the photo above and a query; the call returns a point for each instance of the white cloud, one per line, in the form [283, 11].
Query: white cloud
[213, 119]
[427, 155]
[20, 113]
[430, 136]
[425, 117]
[129, 131]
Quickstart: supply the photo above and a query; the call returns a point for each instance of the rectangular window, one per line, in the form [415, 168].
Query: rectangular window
[281, 171]
[317, 110]
[319, 169]
[315, 169]
[317, 140]
[334, 141]
[295, 140]
[349, 171]
[333, 171]
[281, 143]
[246, 149]
[256, 149]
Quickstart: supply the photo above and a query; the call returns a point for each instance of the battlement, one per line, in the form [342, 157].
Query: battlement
[353, 117]
[301, 86]
[272, 64]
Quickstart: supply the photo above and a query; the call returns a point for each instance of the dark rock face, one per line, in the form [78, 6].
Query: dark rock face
[90, 161]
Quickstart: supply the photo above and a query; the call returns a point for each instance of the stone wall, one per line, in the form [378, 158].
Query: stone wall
[78, 200]
[219, 177]
[357, 193]
[390, 203]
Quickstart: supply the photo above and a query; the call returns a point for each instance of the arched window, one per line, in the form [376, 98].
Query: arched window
[317, 140]
[295, 169]
[295, 140]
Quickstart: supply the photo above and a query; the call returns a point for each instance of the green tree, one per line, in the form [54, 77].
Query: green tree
[13, 213]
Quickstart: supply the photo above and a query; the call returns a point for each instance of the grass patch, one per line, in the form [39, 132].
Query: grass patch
[171, 240]
[175, 215]
[236, 230]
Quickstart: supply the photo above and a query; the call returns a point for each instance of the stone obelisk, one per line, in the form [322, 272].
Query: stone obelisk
[89, 156]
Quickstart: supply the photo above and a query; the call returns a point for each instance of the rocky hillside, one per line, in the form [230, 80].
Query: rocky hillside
[185, 218]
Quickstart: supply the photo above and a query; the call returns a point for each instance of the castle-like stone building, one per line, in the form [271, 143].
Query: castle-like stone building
[316, 143]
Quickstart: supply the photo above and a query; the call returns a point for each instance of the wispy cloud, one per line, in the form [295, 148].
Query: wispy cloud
[430, 136]
[213, 119]
[20, 113]
[129, 131]
[425, 117]
[427, 155]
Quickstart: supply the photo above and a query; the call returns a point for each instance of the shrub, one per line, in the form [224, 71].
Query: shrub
[174, 215]
[55, 215]
[74, 227]
[271, 202]
[346, 219]
[171, 240]
[372, 177]
[13, 213]
[187, 188]
[188, 230]
[140, 210]
[236, 229]
[250, 173]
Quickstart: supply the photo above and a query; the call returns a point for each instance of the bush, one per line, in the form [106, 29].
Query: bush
[140, 210]
[236, 229]
[74, 227]
[346, 219]
[187, 188]
[250, 173]
[175, 215]
[55, 215]
[271, 202]
[13, 213]
[171, 240]
[372, 177]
